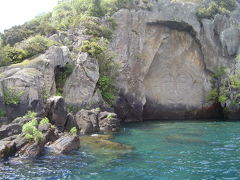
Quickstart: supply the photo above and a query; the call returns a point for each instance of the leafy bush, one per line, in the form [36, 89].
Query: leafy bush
[98, 109]
[44, 121]
[36, 45]
[30, 126]
[30, 114]
[31, 132]
[12, 96]
[72, 108]
[2, 113]
[93, 48]
[210, 9]
[107, 68]
[226, 86]
[39, 25]
[14, 55]
[61, 76]
[73, 131]
[107, 89]
[109, 116]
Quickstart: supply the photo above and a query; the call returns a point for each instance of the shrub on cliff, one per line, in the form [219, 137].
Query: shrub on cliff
[73, 131]
[31, 132]
[107, 88]
[12, 96]
[36, 45]
[93, 48]
[14, 55]
[211, 8]
[61, 76]
[226, 85]
[107, 68]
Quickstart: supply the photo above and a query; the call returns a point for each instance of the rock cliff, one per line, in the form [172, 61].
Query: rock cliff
[167, 56]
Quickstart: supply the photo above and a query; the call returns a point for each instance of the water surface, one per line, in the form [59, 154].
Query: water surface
[162, 150]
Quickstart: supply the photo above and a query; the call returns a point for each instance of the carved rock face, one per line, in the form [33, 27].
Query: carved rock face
[175, 81]
[167, 56]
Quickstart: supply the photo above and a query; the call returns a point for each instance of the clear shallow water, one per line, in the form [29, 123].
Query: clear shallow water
[177, 150]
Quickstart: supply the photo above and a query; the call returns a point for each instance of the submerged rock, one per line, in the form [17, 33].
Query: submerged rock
[104, 142]
[65, 144]
[185, 140]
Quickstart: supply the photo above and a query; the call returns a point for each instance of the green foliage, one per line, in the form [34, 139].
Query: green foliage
[226, 86]
[2, 113]
[39, 25]
[211, 8]
[31, 132]
[73, 131]
[111, 6]
[72, 108]
[98, 109]
[30, 114]
[12, 96]
[30, 126]
[107, 89]
[107, 68]
[93, 27]
[27, 48]
[44, 121]
[61, 76]
[36, 45]
[28, 137]
[229, 5]
[14, 55]
[109, 116]
[92, 48]
[95, 8]
[45, 94]
[212, 94]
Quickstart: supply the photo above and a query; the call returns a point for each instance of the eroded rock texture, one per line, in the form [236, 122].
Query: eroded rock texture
[34, 80]
[167, 56]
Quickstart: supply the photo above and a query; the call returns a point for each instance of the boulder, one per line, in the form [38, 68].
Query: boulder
[82, 82]
[31, 150]
[108, 122]
[9, 130]
[87, 121]
[50, 135]
[56, 112]
[71, 122]
[13, 128]
[7, 148]
[20, 141]
[65, 144]
[32, 80]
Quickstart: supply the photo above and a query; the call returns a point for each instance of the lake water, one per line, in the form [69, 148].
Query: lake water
[162, 150]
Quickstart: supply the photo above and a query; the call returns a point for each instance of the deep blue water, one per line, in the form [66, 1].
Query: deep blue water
[162, 150]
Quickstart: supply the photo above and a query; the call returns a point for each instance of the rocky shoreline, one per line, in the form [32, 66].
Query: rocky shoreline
[57, 133]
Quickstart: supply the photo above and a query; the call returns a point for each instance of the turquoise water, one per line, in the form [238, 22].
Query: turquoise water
[162, 150]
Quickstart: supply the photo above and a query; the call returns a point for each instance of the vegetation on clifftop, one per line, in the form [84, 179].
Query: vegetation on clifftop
[92, 16]
[210, 8]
